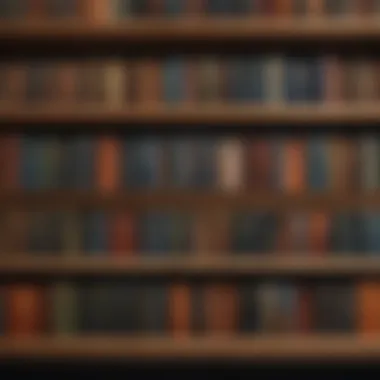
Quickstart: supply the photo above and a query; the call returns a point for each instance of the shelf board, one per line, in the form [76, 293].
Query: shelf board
[196, 115]
[325, 348]
[138, 264]
[193, 201]
[195, 29]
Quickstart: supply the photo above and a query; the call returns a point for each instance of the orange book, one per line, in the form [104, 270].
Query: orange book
[148, 86]
[334, 79]
[97, 11]
[25, 310]
[221, 309]
[294, 166]
[123, 234]
[319, 230]
[180, 309]
[284, 7]
[108, 164]
[368, 307]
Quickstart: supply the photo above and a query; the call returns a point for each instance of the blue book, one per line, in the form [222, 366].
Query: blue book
[30, 163]
[303, 79]
[181, 162]
[84, 174]
[174, 7]
[95, 233]
[174, 80]
[204, 163]
[370, 226]
[317, 164]
[155, 233]
[143, 163]
[218, 6]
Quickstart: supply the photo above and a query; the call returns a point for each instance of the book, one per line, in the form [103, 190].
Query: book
[95, 233]
[368, 310]
[174, 83]
[180, 309]
[317, 164]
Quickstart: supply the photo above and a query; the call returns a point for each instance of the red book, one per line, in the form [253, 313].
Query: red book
[123, 234]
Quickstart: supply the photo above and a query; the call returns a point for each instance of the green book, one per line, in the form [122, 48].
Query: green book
[64, 308]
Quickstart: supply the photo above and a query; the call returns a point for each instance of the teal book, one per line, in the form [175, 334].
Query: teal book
[31, 163]
[95, 233]
[142, 163]
[154, 307]
[84, 166]
[155, 233]
[370, 226]
[174, 7]
[174, 80]
[317, 164]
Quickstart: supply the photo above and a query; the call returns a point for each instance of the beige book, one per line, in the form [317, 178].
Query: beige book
[274, 80]
[116, 85]
[230, 158]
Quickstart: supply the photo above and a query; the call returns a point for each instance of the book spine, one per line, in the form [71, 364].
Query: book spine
[180, 310]
[95, 237]
[25, 310]
[123, 234]
[368, 309]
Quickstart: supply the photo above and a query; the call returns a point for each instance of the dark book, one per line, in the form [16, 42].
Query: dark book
[2, 310]
[154, 304]
[13, 9]
[63, 8]
[216, 7]
[139, 7]
[174, 7]
[198, 323]
[370, 228]
[335, 307]
[84, 165]
[181, 229]
[205, 168]
[338, 7]
[155, 233]
[248, 308]
[41, 82]
[31, 163]
[241, 7]
[95, 233]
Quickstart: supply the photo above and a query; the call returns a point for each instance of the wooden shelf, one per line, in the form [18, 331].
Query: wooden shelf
[76, 263]
[197, 115]
[327, 348]
[195, 28]
[185, 200]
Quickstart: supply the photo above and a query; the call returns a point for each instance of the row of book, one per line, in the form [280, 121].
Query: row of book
[175, 234]
[111, 162]
[100, 11]
[183, 308]
[182, 79]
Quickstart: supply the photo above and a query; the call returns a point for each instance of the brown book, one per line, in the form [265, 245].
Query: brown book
[91, 86]
[259, 158]
[108, 159]
[319, 230]
[122, 234]
[269, 7]
[25, 310]
[376, 80]
[368, 306]
[221, 309]
[195, 7]
[117, 84]
[67, 76]
[350, 80]
[36, 9]
[334, 79]
[294, 166]
[293, 233]
[316, 7]
[366, 80]
[16, 83]
[148, 82]
[209, 80]
[305, 309]
[212, 234]
[97, 12]
[15, 232]
[364, 7]
[180, 309]
[156, 7]
[284, 7]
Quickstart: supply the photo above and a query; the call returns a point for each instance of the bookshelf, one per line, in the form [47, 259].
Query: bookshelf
[148, 33]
